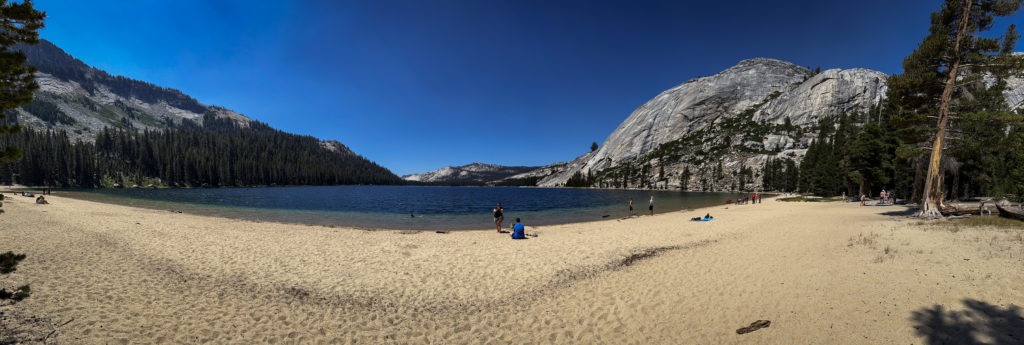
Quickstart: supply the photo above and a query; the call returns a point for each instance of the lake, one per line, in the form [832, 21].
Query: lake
[389, 207]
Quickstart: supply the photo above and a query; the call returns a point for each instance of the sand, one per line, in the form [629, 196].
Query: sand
[822, 273]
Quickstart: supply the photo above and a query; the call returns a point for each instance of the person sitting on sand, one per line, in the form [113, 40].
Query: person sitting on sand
[41, 200]
[518, 230]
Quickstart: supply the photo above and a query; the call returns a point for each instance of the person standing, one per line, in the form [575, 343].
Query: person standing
[499, 216]
[630, 207]
[651, 206]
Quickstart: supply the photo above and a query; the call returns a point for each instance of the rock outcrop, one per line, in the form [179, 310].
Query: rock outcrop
[683, 125]
[759, 109]
[80, 99]
[474, 173]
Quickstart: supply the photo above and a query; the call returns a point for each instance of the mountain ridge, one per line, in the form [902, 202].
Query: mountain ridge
[473, 173]
[77, 103]
[82, 99]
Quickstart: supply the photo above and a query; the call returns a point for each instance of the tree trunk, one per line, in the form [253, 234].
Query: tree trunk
[916, 196]
[932, 198]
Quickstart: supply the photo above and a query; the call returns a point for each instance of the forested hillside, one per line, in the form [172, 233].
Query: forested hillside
[216, 153]
[87, 128]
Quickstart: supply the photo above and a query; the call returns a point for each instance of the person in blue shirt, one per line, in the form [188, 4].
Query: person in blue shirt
[518, 230]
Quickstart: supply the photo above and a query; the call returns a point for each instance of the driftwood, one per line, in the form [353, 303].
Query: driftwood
[960, 211]
[1012, 212]
[975, 207]
[756, 325]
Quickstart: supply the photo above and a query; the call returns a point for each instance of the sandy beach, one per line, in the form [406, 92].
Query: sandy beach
[822, 273]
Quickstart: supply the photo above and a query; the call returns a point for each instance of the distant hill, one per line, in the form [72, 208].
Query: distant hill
[81, 100]
[78, 102]
[470, 174]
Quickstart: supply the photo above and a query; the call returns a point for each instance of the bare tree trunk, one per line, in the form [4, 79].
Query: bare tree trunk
[916, 196]
[932, 198]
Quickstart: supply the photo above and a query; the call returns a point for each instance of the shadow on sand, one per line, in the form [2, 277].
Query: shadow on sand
[900, 211]
[978, 323]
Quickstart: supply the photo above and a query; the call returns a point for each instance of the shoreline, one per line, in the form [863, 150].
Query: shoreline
[820, 272]
[248, 213]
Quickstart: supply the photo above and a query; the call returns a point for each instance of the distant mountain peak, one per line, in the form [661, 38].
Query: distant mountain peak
[472, 173]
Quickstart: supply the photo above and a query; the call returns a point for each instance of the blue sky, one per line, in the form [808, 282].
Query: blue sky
[417, 85]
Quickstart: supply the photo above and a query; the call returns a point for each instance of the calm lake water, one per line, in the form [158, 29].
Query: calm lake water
[389, 207]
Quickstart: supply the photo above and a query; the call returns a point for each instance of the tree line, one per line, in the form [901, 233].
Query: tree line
[214, 155]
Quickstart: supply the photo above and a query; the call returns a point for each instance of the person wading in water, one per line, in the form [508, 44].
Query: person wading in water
[499, 216]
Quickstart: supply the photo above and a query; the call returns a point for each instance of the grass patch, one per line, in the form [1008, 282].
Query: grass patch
[811, 199]
[957, 225]
[888, 254]
[998, 222]
[869, 241]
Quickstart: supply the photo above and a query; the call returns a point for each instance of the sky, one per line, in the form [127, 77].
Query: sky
[418, 85]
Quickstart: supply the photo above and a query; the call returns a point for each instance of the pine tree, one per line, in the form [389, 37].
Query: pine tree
[684, 178]
[871, 160]
[20, 24]
[940, 77]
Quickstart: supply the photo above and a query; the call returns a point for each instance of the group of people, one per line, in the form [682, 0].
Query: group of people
[752, 199]
[885, 197]
[650, 206]
[518, 229]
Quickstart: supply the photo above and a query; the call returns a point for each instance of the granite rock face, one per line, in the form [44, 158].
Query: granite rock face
[81, 100]
[474, 173]
[696, 104]
[1014, 92]
[828, 93]
[759, 109]
[774, 90]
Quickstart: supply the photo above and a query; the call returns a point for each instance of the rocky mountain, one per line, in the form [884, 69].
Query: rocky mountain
[758, 109]
[474, 173]
[78, 102]
[80, 99]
